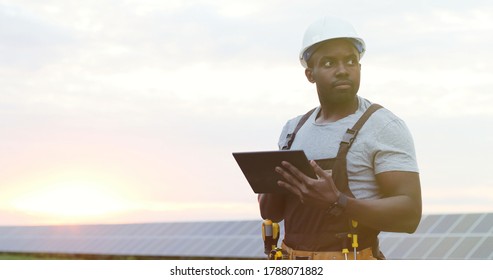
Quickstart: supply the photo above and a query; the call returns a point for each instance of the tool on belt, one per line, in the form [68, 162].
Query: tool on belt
[270, 235]
[347, 237]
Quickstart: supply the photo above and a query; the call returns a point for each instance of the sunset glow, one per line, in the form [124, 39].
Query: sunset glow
[77, 200]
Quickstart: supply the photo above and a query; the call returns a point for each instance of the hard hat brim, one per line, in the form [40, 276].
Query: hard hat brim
[307, 53]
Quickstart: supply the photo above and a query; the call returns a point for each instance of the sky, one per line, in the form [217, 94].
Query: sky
[129, 111]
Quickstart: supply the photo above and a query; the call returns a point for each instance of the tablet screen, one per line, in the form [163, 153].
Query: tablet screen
[258, 168]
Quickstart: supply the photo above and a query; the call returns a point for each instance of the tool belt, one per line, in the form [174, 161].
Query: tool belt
[291, 254]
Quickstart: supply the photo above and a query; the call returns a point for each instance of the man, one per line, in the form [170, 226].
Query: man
[368, 178]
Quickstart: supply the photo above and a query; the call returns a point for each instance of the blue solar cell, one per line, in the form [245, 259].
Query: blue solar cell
[446, 223]
[442, 248]
[485, 224]
[404, 247]
[464, 248]
[484, 250]
[422, 247]
[466, 223]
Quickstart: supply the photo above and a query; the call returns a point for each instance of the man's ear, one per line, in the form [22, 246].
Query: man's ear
[309, 75]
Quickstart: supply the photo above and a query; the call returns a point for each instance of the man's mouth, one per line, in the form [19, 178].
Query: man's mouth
[343, 84]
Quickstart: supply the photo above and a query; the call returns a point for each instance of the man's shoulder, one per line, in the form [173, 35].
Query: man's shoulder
[293, 122]
[383, 115]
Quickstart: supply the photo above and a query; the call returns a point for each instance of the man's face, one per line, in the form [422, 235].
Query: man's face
[335, 69]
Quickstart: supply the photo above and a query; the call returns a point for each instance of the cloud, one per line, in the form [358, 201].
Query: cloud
[28, 41]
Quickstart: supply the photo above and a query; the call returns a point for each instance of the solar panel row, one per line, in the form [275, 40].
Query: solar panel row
[455, 236]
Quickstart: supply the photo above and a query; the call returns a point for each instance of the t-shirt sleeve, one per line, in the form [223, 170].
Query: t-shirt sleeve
[395, 150]
[288, 128]
[282, 137]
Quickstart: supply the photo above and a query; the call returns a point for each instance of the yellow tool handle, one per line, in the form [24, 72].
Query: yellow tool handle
[275, 231]
[354, 224]
[354, 235]
[266, 229]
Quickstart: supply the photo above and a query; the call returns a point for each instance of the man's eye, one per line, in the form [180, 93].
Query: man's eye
[352, 61]
[328, 63]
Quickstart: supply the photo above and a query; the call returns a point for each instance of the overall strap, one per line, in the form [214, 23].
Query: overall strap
[339, 172]
[290, 137]
[350, 135]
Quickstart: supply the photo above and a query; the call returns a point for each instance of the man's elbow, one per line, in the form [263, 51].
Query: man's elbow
[274, 217]
[271, 208]
[270, 213]
[413, 222]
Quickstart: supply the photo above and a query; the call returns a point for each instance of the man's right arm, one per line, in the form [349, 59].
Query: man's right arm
[271, 206]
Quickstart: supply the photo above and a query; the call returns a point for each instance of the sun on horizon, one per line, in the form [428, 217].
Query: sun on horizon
[71, 201]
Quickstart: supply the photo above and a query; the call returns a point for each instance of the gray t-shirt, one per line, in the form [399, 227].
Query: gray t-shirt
[383, 144]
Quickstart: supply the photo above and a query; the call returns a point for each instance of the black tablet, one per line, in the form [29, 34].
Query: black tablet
[258, 168]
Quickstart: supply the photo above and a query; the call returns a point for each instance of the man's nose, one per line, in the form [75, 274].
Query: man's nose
[341, 69]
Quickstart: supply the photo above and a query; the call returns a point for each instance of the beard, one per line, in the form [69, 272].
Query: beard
[336, 97]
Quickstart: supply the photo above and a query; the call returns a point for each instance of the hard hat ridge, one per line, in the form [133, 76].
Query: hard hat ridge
[325, 29]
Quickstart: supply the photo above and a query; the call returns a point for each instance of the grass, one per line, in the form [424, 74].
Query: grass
[44, 256]
[48, 256]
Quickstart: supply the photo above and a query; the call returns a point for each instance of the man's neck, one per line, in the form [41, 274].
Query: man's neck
[333, 112]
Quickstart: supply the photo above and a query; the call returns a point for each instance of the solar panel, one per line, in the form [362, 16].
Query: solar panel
[454, 236]
[465, 223]
[442, 248]
[484, 250]
[485, 224]
[464, 248]
[421, 248]
[445, 223]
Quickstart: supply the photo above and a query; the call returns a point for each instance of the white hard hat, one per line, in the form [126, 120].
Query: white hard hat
[325, 29]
